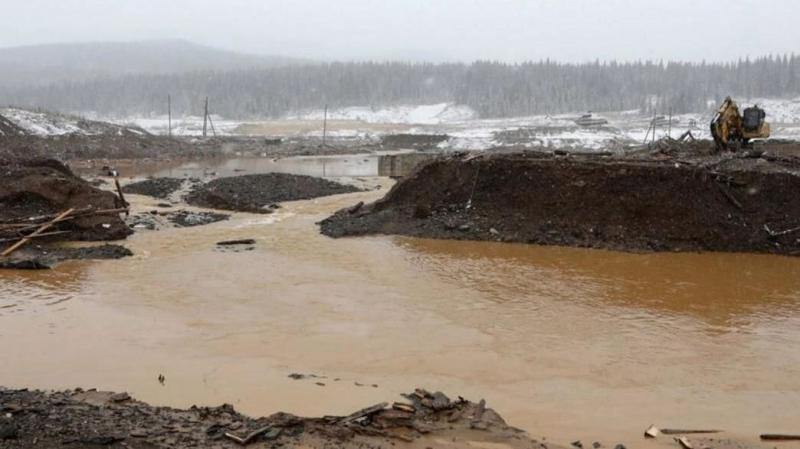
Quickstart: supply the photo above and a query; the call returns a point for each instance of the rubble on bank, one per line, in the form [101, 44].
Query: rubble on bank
[82, 419]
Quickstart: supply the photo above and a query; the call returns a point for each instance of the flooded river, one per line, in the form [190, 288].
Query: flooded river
[567, 343]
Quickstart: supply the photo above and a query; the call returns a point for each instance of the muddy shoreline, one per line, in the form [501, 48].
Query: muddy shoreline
[420, 419]
[82, 419]
[685, 199]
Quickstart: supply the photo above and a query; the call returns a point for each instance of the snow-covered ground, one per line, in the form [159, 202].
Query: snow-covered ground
[465, 130]
[41, 123]
[183, 126]
[430, 114]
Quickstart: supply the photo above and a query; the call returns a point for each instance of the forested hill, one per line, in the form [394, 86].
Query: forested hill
[492, 89]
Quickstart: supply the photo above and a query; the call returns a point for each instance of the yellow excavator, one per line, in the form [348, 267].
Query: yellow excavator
[732, 130]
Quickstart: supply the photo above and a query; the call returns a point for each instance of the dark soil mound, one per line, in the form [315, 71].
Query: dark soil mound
[155, 187]
[723, 203]
[255, 193]
[41, 187]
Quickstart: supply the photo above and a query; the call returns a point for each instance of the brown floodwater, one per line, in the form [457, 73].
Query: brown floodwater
[567, 343]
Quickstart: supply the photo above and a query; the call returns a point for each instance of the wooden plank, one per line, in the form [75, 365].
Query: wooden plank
[44, 234]
[43, 228]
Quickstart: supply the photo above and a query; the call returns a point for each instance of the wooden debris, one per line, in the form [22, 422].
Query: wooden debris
[651, 432]
[119, 192]
[364, 412]
[250, 436]
[43, 228]
[684, 442]
[779, 437]
[404, 407]
[44, 234]
[480, 410]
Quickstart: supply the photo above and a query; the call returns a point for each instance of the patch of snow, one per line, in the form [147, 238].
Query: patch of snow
[41, 123]
[191, 125]
[431, 114]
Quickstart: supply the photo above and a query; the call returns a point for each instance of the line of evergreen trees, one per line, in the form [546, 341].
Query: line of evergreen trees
[493, 89]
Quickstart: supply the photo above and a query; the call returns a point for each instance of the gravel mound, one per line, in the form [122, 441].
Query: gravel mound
[156, 187]
[258, 193]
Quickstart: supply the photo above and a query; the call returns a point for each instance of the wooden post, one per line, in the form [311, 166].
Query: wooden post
[169, 115]
[654, 126]
[121, 196]
[669, 129]
[211, 122]
[325, 125]
[37, 232]
[205, 118]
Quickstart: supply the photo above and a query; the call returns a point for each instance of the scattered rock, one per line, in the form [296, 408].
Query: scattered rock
[186, 219]
[8, 430]
[120, 397]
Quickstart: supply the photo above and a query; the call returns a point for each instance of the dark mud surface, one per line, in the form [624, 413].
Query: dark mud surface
[160, 188]
[259, 193]
[45, 257]
[672, 198]
[91, 419]
[31, 188]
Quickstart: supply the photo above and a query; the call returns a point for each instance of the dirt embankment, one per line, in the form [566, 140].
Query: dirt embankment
[660, 201]
[31, 188]
[258, 193]
[83, 419]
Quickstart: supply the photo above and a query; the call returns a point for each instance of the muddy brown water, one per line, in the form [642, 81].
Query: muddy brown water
[566, 343]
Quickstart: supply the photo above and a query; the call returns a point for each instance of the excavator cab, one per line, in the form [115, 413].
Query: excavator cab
[732, 130]
[753, 118]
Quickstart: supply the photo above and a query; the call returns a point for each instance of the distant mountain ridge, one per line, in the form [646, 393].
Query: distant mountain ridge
[38, 65]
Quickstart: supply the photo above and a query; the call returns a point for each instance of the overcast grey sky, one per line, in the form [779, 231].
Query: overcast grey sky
[512, 30]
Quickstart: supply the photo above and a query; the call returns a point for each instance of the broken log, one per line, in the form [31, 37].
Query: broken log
[779, 437]
[687, 431]
[43, 228]
[237, 242]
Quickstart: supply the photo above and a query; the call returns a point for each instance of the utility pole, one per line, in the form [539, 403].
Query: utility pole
[205, 118]
[325, 125]
[169, 115]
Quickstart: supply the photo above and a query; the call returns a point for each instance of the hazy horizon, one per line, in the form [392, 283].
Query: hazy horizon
[441, 31]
